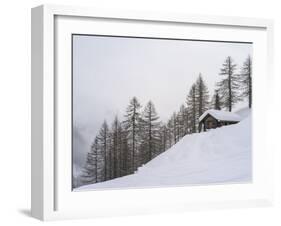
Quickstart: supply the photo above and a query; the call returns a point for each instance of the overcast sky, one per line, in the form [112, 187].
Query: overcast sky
[109, 71]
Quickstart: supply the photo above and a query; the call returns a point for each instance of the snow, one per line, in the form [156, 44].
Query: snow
[221, 155]
[221, 115]
[243, 112]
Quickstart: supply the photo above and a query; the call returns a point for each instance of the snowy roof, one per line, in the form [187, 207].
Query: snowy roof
[221, 115]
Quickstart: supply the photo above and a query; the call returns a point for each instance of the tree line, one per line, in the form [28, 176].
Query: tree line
[123, 146]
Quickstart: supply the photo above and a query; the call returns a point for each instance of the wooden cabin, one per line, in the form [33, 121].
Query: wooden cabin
[213, 119]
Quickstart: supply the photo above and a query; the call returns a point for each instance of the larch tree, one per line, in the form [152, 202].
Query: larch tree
[192, 108]
[216, 103]
[103, 138]
[229, 85]
[174, 127]
[202, 96]
[185, 118]
[170, 133]
[90, 170]
[132, 125]
[115, 148]
[151, 130]
[125, 157]
[164, 138]
[246, 80]
[182, 121]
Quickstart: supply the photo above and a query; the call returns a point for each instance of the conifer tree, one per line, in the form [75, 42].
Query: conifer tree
[164, 138]
[229, 84]
[125, 157]
[103, 139]
[246, 80]
[115, 148]
[185, 120]
[192, 108]
[216, 103]
[90, 170]
[182, 121]
[170, 133]
[132, 125]
[151, 130]
[202, 95]
[174, 127]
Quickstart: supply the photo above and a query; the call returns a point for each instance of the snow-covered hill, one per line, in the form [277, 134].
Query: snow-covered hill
[221, 155]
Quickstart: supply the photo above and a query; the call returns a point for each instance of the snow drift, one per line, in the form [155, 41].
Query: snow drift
[220, 155]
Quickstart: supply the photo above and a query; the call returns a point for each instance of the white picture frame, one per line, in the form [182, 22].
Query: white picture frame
[52, 199]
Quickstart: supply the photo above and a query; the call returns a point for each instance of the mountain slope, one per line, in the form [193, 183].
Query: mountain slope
[221, 155]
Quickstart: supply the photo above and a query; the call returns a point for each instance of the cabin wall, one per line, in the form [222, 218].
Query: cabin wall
[211, 123]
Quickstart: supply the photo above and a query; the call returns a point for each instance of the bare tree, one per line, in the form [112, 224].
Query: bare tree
[246, 80]
[115, 148]
[103, 138]
[192, 107]
[132, 125]
[151, 130]
[229, 85]
[202, 95]
[90, 170]
[216, 102]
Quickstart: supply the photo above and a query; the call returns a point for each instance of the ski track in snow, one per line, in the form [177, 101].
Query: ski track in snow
[220, 155]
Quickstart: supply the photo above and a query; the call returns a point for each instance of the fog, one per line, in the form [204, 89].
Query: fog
[109, 71]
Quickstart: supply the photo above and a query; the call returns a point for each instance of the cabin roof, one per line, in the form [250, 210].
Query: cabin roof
[221, 115]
